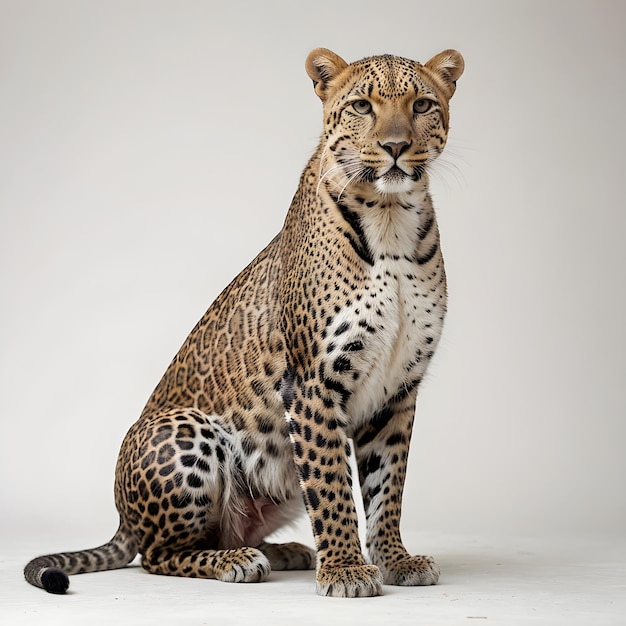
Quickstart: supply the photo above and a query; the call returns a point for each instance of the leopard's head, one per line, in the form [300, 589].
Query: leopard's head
[385, 117]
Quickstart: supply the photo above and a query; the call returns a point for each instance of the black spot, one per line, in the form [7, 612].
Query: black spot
[341, 364]
[188, 460]
[166, 470]
[376, 424]
[202, 500]
[163, 434]
[272, 449]
[257, 387]
[193, 480]
[155, 488]
[203, 466]
[421, 260]
[153, 508]
[371, 464]
[166, 452]
[248, 446]
[368, 328]
[184, 444]
[342, 329]
[287, 388]
[305, 471]
[182, 501]
[357, 238]
[308, 435]
[205, 448]
[395, 439]
[335, 385]
[265, 426]
[148, 459]
[185, 431]
[312, 498]
[353, 346]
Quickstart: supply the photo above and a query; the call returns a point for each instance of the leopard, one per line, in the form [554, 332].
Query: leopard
[311, 356]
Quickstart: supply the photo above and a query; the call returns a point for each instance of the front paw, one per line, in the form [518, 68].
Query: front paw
[357, 581]
[413, 570]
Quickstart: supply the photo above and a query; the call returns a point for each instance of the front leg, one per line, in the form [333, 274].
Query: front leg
[321, 450]
[382, 448]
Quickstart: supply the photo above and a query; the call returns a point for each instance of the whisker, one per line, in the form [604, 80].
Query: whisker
[328, 173]
[444, 167]
[358, 170]
[352, 169]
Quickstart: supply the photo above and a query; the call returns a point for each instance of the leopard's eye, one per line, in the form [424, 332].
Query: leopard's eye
[422, 105]
[363, 107]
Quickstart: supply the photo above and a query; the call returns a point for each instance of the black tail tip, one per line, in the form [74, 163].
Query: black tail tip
[55, 580]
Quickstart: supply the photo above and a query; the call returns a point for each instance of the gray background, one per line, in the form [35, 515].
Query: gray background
[148, 151]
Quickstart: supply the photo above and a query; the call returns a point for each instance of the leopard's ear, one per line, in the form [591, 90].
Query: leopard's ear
[447, 67]
[322, 66]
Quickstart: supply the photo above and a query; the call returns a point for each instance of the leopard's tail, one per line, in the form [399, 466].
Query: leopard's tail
[51, 572]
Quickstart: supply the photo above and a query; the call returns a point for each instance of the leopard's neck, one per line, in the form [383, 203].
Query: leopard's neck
[385, 225]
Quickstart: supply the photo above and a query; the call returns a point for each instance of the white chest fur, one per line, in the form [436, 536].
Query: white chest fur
[394, 321]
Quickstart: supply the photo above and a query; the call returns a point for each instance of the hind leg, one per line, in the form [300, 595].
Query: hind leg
[288, 556]
[177, 486]
[239, 565]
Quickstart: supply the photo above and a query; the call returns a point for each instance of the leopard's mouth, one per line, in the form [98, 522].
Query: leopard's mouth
[394, 180]
[393, 174]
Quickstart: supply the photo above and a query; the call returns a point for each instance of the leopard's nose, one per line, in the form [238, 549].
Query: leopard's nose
[395, 148]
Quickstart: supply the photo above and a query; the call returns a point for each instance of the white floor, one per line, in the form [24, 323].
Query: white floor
[484, 580]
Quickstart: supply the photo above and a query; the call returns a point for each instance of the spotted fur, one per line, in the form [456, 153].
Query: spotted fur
[321, 341]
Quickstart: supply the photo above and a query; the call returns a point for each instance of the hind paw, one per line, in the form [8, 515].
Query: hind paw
[288, 556]
[243, 565]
